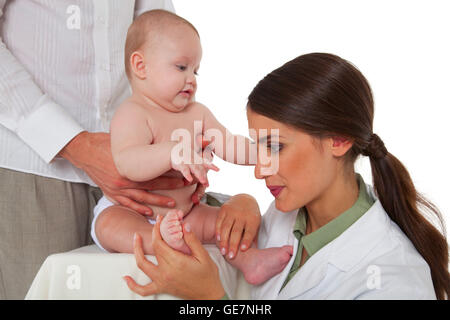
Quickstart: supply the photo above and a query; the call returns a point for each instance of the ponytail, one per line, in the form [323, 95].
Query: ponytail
[398, 196]
[325, 95]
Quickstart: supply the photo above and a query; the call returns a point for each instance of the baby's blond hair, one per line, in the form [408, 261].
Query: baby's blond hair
[147, 27]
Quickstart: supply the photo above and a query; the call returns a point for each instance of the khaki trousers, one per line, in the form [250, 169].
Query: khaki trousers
[39, 216]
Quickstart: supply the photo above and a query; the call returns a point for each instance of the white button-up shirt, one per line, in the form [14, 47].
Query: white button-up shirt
[61, 72]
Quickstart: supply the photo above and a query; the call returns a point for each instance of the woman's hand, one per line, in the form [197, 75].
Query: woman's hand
[239, 218]
[187, 277]
[91, 152]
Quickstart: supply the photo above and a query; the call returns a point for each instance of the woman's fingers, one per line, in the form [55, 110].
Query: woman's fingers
[197, 249]
[250, 233]
[146, 266]
[146, 290]
[235, 238]
[225, 231]
[219, 221]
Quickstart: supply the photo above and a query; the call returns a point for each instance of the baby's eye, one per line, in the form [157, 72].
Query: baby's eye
[181, 67]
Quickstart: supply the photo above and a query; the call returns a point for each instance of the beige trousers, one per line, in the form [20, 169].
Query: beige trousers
[39, 216]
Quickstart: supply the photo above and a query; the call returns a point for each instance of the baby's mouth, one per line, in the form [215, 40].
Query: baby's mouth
[187, 91]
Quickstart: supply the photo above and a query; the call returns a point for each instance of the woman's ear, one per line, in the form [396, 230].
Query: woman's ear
[137, 64]
[340, 145]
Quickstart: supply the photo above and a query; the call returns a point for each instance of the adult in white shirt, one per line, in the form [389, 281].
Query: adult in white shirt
[314, 117]
[61, 77]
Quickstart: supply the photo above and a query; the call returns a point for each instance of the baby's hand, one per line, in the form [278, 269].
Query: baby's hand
[188, 170]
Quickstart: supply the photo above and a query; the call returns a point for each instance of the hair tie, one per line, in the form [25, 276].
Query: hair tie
[375, 149]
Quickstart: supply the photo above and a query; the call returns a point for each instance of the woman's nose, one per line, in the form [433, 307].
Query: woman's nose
[260, 173]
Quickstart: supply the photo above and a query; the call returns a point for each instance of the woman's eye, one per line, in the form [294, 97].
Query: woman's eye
[181, 67]
[275, 147]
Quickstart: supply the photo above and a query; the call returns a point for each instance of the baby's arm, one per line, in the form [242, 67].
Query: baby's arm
[131, 137]
[229, 147]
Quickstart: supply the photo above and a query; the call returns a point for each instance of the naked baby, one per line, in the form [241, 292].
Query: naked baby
[162, 57]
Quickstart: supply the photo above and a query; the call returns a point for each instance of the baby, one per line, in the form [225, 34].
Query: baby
[162, 57]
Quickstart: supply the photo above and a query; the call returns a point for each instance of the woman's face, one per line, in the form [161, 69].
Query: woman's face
[297, 168]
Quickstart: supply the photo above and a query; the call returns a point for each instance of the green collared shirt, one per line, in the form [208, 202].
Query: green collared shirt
[316, 240]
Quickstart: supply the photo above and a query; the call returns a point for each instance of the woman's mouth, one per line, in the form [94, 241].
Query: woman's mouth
[275, 190]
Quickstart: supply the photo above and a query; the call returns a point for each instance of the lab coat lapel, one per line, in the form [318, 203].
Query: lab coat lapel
[284, 225]
[308, 276]
[344, 252]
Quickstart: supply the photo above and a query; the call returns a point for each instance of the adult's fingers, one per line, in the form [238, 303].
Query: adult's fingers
[219, 221]
[146, 266]
[235, 238]
[162, 183]
[225, 231]
[250, 234]
[146, 290]
[149, 198]
[140, 208]
[197, 250]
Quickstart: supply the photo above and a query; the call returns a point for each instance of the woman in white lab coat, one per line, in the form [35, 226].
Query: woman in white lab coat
[313, 117]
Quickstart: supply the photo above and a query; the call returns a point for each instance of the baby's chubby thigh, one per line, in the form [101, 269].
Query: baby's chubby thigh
[182, 197]
[202, 219]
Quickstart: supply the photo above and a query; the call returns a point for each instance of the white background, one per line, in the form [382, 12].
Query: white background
[402, 48]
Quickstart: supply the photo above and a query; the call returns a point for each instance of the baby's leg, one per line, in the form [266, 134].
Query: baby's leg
[257, 265]
[116, 225]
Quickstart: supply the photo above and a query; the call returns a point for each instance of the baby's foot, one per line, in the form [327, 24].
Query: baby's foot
[172, 230]
[263, 264]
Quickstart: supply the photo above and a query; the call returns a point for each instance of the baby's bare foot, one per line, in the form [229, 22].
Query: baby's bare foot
[172, 230]
[263, 264]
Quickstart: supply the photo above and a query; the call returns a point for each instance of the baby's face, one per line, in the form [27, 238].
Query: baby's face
[171, 68]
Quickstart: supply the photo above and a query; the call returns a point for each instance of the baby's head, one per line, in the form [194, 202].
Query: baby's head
[162, 57]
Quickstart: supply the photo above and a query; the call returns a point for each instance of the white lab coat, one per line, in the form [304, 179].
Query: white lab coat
[372, 259]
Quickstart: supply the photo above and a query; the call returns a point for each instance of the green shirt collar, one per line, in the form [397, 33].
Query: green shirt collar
[316, 240]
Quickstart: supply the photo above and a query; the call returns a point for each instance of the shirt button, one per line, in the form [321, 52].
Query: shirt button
[101, 20]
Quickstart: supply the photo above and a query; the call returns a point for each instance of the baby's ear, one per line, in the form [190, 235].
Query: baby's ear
[137, 64]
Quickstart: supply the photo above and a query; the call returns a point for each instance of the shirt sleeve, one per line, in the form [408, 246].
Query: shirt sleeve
[28, 112]
[146, 5]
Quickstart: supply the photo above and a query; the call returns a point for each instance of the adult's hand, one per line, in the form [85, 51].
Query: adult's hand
[238, 222]
[188, 277]
[91, 152]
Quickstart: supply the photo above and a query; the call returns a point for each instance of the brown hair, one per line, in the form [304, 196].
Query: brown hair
[147, 26]
[325, 95]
